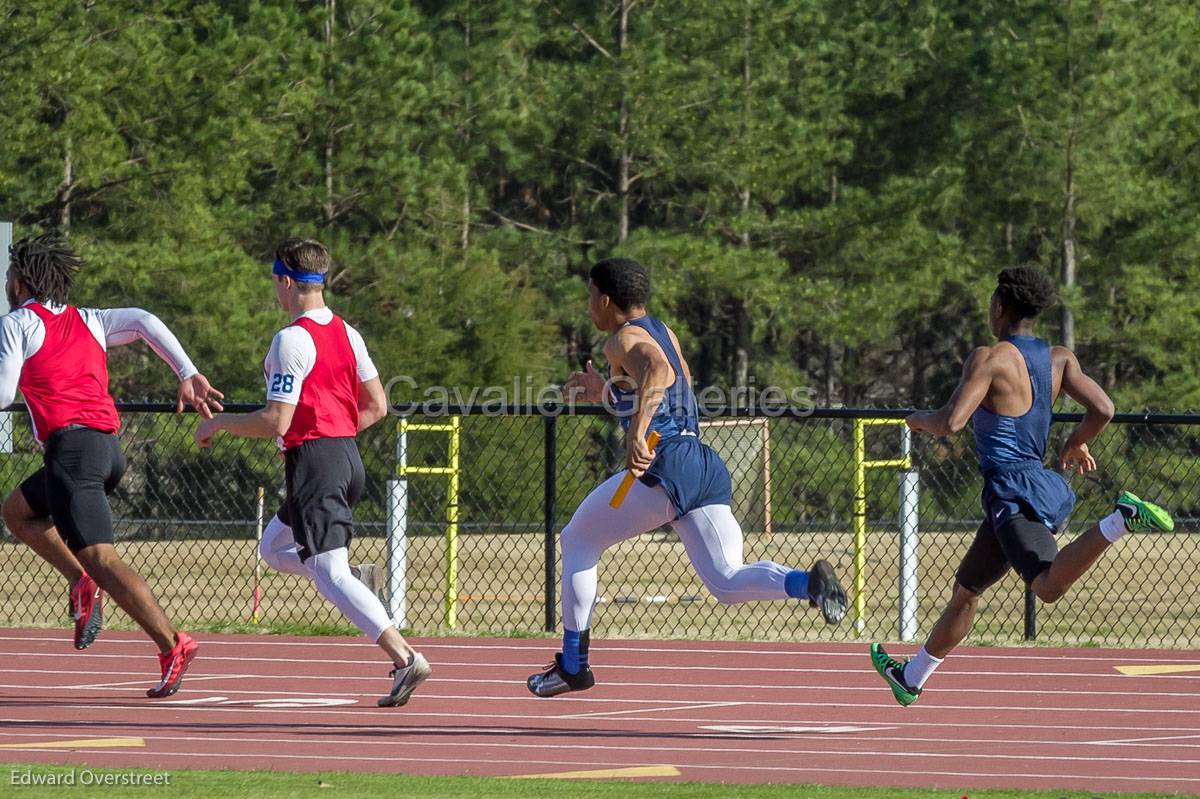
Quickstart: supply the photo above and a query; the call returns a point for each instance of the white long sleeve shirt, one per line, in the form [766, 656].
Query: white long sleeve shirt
[22, 335]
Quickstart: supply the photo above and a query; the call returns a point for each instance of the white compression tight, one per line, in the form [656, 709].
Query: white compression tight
[711, 536]
[331, 573]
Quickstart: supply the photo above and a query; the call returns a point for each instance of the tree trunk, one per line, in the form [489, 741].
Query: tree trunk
[829, 373]
[918, 370]
[746, 31]
[1068, 231]
[742, 327]
[465, 238]
[1110, 372]
[64, 193]
[743, 324]
[1068, 265]
[623, 125]
[331, 10]
[847, 388]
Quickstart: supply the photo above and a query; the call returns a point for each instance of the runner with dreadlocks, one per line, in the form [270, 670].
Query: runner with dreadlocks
[57, 355]
[1008, 392]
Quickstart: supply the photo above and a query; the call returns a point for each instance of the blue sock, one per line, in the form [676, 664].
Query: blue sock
[796, 584]
[572, 655]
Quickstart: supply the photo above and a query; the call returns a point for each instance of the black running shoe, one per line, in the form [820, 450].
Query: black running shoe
[554, 681]
[826, 593]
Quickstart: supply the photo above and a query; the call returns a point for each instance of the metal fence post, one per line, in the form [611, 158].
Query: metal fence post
[909, 502]
[550, 488]
[1030, 614]
[397, 532]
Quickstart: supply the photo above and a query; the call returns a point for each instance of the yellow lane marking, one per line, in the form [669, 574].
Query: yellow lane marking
[605, 773]
[1174, 668]
[82, 743]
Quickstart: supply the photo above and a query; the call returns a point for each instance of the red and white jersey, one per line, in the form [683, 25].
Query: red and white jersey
[317, 363]
[57, 356]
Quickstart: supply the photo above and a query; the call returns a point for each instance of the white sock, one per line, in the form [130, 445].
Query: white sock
[920, 668]
[1112, 526]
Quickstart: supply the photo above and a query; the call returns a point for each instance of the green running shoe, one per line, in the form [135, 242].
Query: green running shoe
[1143, 517]
[892, 671]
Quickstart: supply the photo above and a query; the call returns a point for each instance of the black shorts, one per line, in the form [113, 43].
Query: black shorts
[81, 468]
[1014, 541]
[325, 479]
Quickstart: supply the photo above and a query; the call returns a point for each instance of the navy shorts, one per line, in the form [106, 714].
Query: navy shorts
[691, 472]
[1006, 540]
[325, 479]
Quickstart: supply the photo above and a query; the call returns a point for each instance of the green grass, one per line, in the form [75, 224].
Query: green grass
[287, 785]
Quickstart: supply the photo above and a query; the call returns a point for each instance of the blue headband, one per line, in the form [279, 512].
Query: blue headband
[300, 277]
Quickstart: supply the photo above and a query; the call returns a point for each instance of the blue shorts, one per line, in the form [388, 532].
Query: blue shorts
[691, 472]
[1030, 490]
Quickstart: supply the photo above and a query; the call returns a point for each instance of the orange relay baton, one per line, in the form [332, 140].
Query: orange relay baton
[627, 483]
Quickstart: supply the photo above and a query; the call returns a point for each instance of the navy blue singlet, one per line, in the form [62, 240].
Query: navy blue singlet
[1012, 450]
[692, 473]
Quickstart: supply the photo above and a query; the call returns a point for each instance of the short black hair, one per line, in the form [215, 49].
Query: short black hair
[1026, 290]
[624, 280]
[46, 264]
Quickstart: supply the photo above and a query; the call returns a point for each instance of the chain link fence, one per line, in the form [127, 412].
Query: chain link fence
[468, 526]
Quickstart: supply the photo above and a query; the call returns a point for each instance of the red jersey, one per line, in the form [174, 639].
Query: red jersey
[66, 381]
[328, 404]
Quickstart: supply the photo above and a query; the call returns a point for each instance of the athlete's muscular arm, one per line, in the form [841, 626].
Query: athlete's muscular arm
[971, 391]
[372, 403]
[644, 363]
[288, 363]
[269, 422]
[126, 325]
[1098, 412]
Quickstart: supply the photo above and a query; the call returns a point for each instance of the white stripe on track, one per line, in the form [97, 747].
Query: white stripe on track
[754, 703]
[538, 718]
[559, 764]
[368, 730]
[610, 713]
[621, 683]
[863, 668]
[538, 645]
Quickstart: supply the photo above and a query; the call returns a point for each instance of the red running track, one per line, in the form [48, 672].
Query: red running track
[717, 712]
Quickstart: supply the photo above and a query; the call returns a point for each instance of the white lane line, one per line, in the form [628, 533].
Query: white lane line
[773, 704]
[265, 694]
[604, 713]
[200, 701]
[105, 686]
[685, 721]
[525, 666]
[724, 733]
[1005, 653]
[1088, 779]
[1148, 741]
[291, 678]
